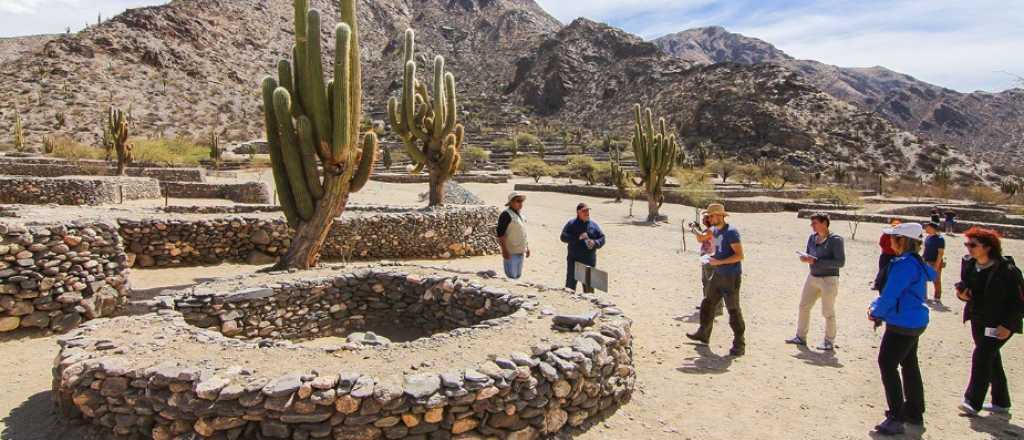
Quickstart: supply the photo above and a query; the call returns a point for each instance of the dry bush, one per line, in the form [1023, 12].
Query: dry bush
[984, 195]
[176, 151]
[66, 148]
[836, 195]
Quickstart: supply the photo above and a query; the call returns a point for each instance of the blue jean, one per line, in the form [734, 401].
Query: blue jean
[514, 266]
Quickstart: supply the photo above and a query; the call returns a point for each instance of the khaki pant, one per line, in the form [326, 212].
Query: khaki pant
[826, 288]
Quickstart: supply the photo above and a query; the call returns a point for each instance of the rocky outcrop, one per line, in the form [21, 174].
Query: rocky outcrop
[76, 190]
[981, 121]
[591, 72]
[53, 277]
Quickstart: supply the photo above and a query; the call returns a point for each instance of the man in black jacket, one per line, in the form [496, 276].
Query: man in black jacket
[583, 237]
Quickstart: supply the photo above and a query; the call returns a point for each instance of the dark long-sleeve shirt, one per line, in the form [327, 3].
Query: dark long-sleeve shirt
[578, 250]
[830, 255]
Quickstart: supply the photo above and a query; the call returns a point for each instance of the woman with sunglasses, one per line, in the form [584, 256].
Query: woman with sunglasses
[991, 286]
[903, 310]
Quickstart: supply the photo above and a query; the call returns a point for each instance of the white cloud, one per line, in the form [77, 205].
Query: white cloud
[31, 17]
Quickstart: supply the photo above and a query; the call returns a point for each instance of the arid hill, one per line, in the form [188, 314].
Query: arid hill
[980, 121]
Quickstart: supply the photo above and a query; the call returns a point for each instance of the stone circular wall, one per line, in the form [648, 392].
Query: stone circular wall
[55, 276]
[495, 361]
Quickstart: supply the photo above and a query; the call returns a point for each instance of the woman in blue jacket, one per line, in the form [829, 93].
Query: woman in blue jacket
[902, 307]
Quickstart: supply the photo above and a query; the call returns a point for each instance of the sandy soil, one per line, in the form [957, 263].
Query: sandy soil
[684, 391]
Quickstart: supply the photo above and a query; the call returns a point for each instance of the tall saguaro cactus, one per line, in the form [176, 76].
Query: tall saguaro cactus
[313, 124]
[117, 127]
[655, 152]
[428, 125]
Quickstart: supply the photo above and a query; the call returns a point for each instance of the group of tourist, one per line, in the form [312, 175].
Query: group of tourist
[913, 256]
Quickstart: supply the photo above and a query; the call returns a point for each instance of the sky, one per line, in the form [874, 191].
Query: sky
[965, 45]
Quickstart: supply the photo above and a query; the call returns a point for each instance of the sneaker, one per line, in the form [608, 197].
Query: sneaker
[993, 408]
[968, 409]
[697, 337]
[827, 345]
[890, 426]
[797, 341]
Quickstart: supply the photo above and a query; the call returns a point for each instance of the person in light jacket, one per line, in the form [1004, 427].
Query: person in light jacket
[902, 307]
[826, 254]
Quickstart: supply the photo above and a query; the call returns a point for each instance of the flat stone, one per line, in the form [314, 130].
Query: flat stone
[283, 386]
[421, 386]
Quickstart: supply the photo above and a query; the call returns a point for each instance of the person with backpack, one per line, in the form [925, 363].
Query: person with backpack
[992, 286]
[902, 307]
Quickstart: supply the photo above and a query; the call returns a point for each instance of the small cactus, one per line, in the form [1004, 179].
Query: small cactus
[117, 126]
[428, 124]
[19, 133]
[61, 119]
[215, 151]
[655, 151]
[620, 179]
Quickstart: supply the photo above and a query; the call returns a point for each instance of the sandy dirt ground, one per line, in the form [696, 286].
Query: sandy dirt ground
[684, 391]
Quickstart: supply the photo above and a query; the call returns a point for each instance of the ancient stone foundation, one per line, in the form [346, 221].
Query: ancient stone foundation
[359, 235]
[524, 374]
[249, 192]
[49, 167]
[54, 277]
[76, 190]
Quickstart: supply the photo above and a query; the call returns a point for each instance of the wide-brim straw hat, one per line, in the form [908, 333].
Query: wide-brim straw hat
[716, 209]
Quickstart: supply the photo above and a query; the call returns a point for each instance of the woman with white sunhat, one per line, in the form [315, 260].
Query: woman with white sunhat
[902, 307]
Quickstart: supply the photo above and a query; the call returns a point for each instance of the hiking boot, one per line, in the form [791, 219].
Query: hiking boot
[914, 420]
[890, 426]
[827, 345]
[996, 409]
[698, 337]
[797, 341]
[968, 409]
[738, 350]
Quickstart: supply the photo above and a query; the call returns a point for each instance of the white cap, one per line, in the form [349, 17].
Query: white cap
[913, 231]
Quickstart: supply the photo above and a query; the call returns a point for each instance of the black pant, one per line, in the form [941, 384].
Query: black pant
[570, 272]
[987, 368]
[906, 397]
[718, 288]
[883, 266]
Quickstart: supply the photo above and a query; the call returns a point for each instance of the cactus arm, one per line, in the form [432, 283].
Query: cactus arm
[355, 83]
[409, 49]
[284, 191]
[394, 116]
[450, 104]
[439, 97]
[304, 203]
[415, 154]
[314, 90]
[369, 156]
[284, 72]
[307, 137]
[342, 94]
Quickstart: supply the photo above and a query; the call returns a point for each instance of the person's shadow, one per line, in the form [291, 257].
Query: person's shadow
[912, 433]
[997, 425]
[692, 318]
[819, 359]
[37, 419]
[939, 307]
[706, 362]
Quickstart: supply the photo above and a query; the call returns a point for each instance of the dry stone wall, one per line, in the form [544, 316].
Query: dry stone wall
[1008, 231]
[554, 388]
[54, 277]
[413, 234]
[60, 168]
[248, 192]
[76, 190]
[423, 178]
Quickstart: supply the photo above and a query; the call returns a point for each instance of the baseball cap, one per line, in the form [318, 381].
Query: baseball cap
[581, 207]
[912, 231]
[515, 195]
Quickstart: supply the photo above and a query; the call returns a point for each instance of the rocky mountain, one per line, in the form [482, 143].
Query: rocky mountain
[194, 65]
[991, 123]
[591, 74]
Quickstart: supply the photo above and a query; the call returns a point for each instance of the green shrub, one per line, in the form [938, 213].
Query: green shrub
[473, 157]
[532, 167]
[835, 195]
[694, 188]
[583, 167]
[177, 151]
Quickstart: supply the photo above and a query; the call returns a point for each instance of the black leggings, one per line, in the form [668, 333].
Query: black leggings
[906, 396]
[987, 369]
